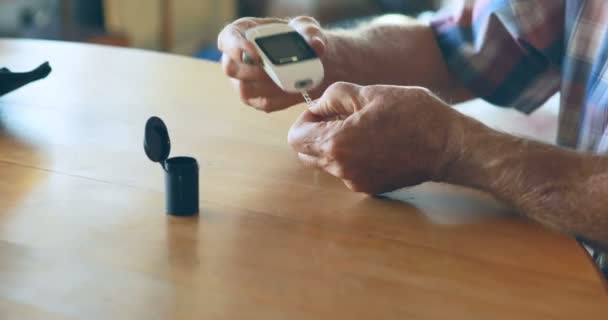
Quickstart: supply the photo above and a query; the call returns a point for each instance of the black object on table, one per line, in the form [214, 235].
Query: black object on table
[181, 173]
[10, 81]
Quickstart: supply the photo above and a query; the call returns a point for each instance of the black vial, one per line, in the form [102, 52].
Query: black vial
[181, 173]
[181, 186]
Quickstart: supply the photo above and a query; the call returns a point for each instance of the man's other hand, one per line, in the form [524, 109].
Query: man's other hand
[249, 79]
[379, 138]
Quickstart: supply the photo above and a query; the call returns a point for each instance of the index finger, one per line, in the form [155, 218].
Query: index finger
[232, 41]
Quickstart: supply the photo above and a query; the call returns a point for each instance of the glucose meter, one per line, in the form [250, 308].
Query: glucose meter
[287, 58]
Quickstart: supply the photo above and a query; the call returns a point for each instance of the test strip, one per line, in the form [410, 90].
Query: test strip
[307, 98]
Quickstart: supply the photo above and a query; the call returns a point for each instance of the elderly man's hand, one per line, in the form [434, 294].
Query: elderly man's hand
[379, 138]
[249, 78]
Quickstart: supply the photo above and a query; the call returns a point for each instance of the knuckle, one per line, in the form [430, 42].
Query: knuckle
[369, 90]
[424, 90]
[229, 67]
[311, 30]
[335, 148]
[305, 19]
[340, 87]
[331, 149]
[224, 35]
[261, 103]
[242, 22]
[377, 93]
[420, 91]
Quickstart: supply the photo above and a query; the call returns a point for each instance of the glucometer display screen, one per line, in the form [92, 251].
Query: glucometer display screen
[286, 48]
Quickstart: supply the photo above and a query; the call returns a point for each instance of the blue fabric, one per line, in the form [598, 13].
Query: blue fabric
[209, 53]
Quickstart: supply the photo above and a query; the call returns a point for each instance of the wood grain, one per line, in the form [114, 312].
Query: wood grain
[83, 234]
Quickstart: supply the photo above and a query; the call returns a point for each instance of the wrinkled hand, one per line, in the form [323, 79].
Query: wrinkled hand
[379, 138]
[249, 79]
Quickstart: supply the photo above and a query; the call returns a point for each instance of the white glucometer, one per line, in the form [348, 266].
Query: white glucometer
[286, 57]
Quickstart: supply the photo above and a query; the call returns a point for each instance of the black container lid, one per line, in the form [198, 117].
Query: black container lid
[156, 140]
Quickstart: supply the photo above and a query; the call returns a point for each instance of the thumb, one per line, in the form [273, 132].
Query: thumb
[340, 100]
[311, 30]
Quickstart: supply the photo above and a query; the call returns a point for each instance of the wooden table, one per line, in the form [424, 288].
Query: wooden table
[83, 233]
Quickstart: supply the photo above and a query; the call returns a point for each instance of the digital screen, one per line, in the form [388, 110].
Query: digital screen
[286, 48]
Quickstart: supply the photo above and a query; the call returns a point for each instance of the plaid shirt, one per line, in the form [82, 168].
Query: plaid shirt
[518, 53]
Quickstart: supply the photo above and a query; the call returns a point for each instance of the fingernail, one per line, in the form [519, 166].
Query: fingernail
[246, 59]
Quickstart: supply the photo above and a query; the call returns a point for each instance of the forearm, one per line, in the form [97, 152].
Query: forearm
[560, 188]
[397, 54]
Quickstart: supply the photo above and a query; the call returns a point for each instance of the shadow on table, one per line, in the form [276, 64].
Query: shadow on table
[183, 241]
[184, 258]
[451, 205]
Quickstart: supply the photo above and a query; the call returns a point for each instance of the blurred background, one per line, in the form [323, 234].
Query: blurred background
[188, 27]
